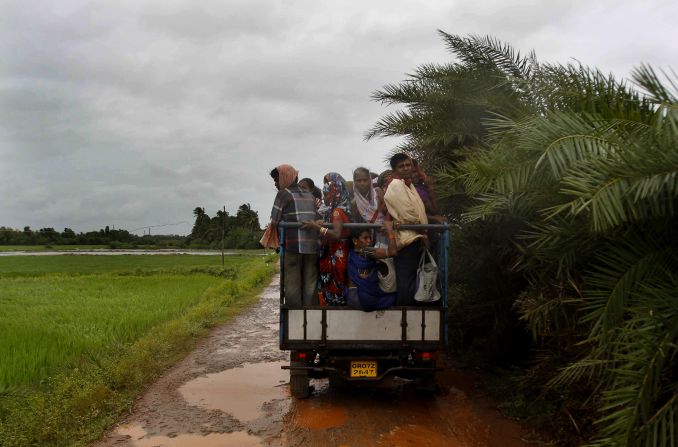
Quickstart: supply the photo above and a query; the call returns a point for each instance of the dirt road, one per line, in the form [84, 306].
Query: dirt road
[231, 392]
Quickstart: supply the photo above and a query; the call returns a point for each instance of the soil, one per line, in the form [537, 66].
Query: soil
[231, 391]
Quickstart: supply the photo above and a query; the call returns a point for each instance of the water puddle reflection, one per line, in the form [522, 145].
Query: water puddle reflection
[137, 437]
[240, 392]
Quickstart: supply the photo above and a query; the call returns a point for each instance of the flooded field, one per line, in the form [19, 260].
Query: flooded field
[107, 252]
[232, 392]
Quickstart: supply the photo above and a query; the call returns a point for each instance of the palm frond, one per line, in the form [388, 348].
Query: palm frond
[657, 91]
[619, 270]
[640, 184]
[636, 412]
[487, 51]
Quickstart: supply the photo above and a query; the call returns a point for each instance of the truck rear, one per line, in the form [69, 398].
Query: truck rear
[351, 346]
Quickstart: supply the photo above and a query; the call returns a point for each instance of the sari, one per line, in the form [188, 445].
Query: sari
[332, 272]
[363, 273]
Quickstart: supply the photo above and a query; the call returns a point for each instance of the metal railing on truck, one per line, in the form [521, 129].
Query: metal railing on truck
[425, 319]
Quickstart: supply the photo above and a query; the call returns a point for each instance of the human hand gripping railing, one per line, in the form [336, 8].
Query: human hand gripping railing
[440, 227]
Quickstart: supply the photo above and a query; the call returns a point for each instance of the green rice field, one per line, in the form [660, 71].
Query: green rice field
[85, 325]
[47, 321]
[115, 264]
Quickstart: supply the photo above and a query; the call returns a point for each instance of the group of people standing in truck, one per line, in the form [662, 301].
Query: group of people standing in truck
[326, 263]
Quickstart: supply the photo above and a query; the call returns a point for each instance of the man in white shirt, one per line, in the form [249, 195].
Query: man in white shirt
[405, 207]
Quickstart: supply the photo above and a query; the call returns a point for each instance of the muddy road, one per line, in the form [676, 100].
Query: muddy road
[231, 392]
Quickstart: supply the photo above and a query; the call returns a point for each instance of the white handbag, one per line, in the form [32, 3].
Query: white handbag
[387, 282]
[427, 277]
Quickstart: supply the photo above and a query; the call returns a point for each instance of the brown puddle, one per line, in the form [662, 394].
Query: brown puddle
[417, 435]
[239, 392]
[311, 415]
[235, 439]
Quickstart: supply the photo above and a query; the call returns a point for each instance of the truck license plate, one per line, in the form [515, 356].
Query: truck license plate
[363, 368]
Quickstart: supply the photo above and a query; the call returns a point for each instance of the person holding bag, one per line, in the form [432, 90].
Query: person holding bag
[405, 207]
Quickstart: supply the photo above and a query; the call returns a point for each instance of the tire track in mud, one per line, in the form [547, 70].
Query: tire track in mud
[230, 391]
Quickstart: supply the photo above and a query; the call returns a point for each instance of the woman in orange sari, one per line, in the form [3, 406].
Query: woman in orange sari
[332, 274]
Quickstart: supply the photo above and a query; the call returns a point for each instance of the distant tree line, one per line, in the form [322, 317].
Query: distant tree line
[104, 236]
[239, 231]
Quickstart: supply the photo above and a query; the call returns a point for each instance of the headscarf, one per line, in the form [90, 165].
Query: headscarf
[286, 175]
[335, 188]
[368, 207]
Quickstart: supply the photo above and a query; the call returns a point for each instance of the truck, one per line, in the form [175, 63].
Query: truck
[354, 347]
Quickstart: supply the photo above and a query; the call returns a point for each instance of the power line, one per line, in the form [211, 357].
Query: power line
[11, 230]
[160, 225]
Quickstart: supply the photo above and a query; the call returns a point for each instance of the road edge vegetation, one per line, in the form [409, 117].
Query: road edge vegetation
[75, 406]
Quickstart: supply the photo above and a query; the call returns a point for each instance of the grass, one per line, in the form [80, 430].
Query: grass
[49, 320]
[80, 336]
[118, 264]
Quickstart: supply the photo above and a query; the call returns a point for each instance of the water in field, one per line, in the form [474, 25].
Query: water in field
[106, 252]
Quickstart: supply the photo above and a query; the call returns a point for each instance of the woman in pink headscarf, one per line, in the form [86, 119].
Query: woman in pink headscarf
[286, 176]
[283, 177]
[300, 261]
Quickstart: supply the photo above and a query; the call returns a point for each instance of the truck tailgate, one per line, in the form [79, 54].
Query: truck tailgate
[334, 327]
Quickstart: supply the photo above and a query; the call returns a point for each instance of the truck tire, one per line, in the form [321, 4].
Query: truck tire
[299, 384]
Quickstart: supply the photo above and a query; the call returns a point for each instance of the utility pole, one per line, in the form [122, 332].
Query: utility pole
[223, 234]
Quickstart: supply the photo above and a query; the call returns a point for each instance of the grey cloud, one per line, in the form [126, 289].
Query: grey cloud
[133, 113]
[202, 22]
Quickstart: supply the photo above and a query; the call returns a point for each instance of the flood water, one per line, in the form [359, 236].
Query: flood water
[110, 252]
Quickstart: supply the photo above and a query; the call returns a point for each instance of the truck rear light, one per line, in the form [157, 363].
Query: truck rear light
[299, 356]
[425, 356]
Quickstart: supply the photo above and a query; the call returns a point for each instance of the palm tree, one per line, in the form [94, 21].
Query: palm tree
[201, 224]
[198, 212]
[247, 217]
[586, 168]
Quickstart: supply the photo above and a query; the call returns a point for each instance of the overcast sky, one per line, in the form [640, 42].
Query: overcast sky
[132, 113]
